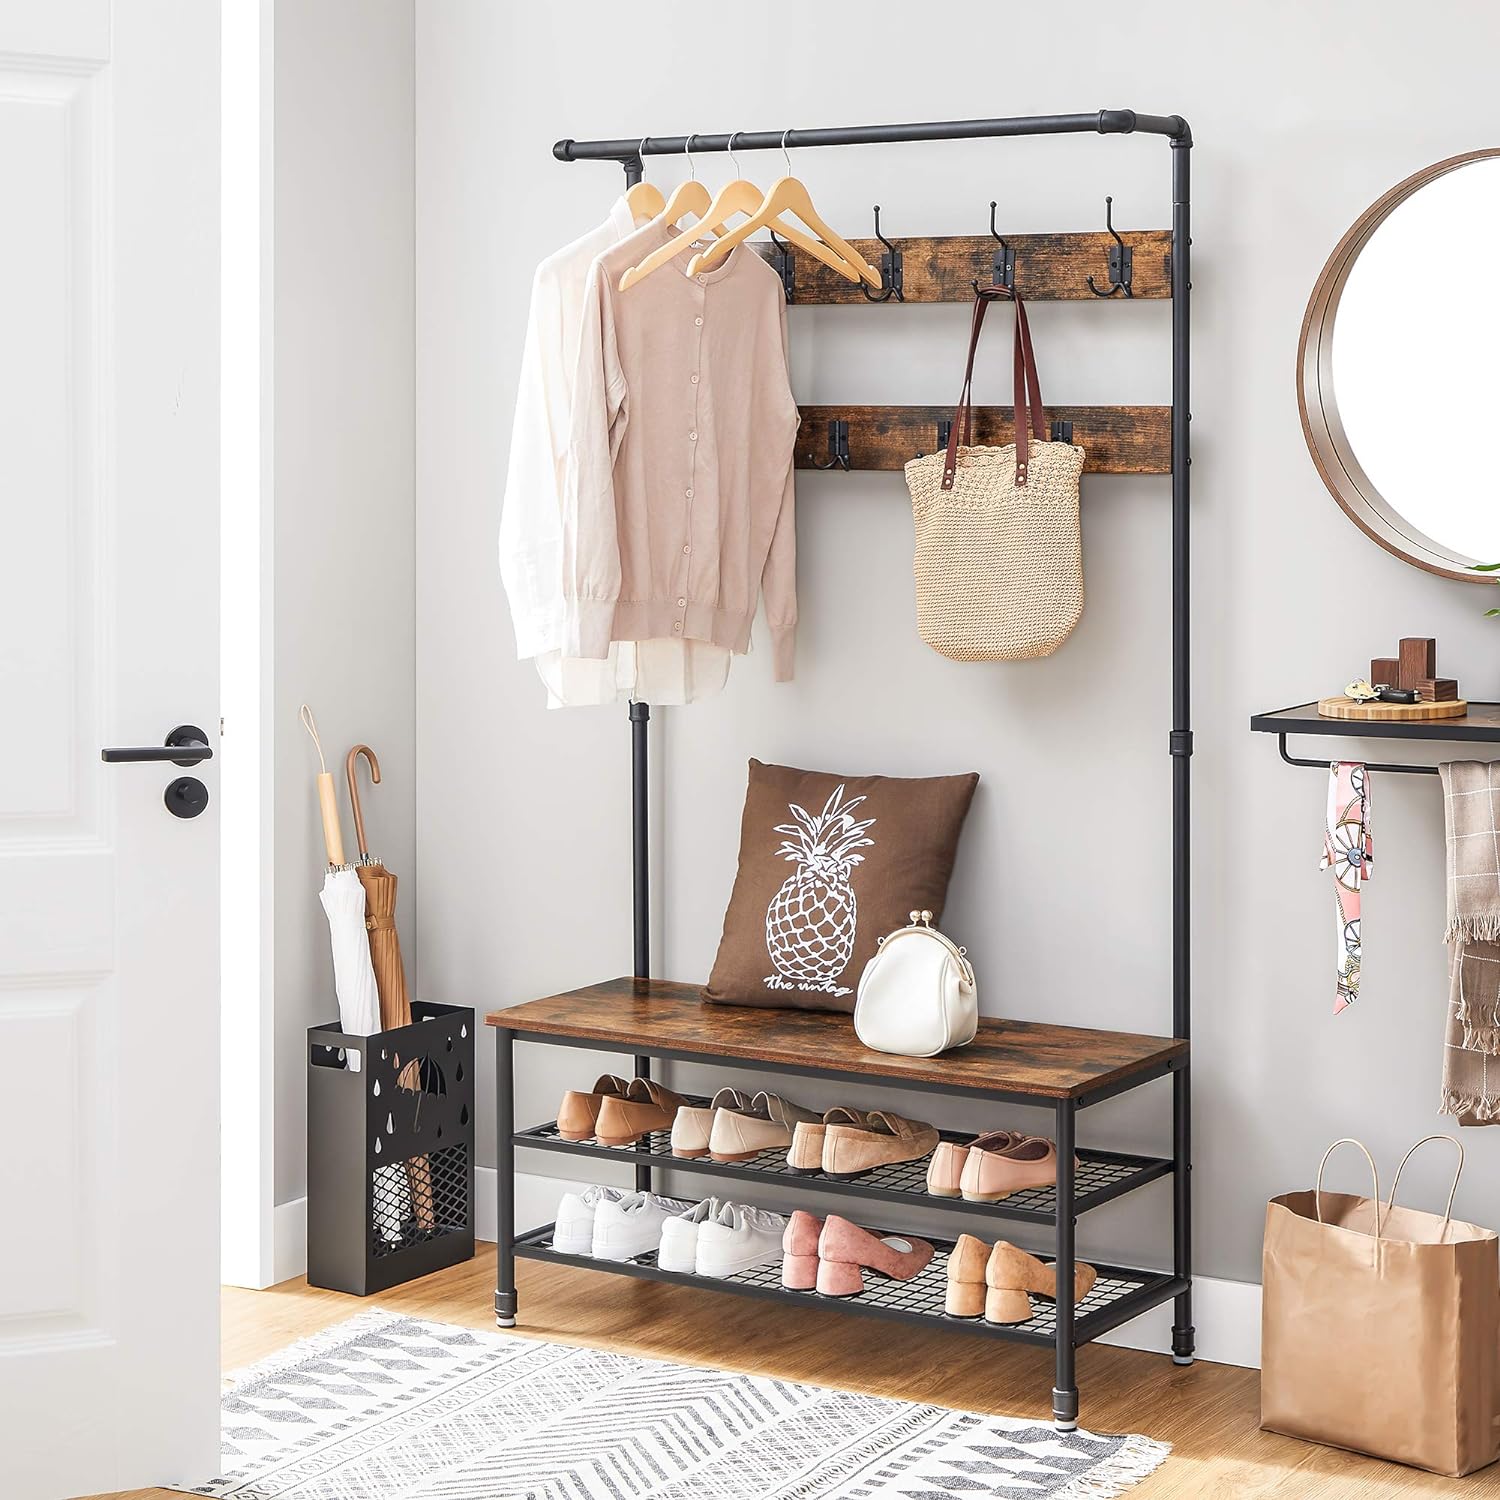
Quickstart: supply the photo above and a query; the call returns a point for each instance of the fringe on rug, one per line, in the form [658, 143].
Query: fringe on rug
[1136, 1459]
[1479, 1107]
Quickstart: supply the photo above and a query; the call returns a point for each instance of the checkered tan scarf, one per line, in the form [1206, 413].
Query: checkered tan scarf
[1471, 1042]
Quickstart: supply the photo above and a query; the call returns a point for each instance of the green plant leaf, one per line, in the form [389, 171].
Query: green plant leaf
[1490, 612]
[1485, 567]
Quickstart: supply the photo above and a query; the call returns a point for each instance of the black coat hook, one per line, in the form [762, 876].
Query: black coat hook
[1120, 259]
[1004, 272]
[784, 267]
[838, 444]
[891, 275]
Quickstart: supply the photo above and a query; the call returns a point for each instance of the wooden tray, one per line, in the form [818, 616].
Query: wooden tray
[1347, 708]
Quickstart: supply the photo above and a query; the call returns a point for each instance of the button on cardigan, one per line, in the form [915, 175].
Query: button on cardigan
[663, 671]
[679, 507]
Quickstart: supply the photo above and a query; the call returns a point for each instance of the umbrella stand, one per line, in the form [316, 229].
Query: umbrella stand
[344, 903]
[390, 973]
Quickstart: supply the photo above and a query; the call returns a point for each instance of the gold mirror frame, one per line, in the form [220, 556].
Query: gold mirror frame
[1321, 424]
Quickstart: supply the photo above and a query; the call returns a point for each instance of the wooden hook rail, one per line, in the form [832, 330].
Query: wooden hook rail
[1049, 267]
[1115, 439]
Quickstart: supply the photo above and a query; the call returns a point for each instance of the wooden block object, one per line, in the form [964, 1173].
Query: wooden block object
[1385, 671]
[1114, 439]
[1417, 660]
[1390, 713]
[1437, 689]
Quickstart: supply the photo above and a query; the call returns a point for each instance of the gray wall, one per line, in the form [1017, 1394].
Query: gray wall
[1303, 116]
[344, 287]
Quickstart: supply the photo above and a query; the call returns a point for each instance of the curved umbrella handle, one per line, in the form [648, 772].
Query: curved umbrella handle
[351, 767]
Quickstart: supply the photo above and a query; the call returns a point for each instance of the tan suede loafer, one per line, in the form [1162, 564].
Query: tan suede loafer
[993, 1172]
[884, 1138]
[694, 1122]
[578, 1114]
[647, 1106]
[806, 1154]
[740, 1134]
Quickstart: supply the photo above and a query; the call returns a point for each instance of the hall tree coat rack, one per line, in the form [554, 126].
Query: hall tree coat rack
[1062, 1068]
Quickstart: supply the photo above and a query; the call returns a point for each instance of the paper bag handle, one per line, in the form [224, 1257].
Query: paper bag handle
[1349, 1140]
[1458, 1172]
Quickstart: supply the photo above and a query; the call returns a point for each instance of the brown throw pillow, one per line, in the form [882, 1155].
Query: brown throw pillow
[829, 865]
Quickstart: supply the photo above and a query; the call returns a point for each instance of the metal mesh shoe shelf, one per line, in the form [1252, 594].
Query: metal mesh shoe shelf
[1116, 1297]
[1101, 1176]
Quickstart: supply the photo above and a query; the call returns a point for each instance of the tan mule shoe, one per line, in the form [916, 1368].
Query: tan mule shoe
[806, 1154]
[647, 1106]
[767, 1125]
[883, 1138]
[993, 1172]
[578, 1114]
[945, 1170]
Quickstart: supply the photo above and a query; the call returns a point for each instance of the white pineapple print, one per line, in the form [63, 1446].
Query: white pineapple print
[811, 920]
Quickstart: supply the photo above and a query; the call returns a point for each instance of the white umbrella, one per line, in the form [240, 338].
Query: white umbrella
[343, 898]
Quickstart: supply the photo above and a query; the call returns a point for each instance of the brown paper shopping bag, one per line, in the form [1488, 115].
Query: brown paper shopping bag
[1381, 1327]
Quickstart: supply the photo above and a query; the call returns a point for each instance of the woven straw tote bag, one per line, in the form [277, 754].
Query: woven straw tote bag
[999, 555]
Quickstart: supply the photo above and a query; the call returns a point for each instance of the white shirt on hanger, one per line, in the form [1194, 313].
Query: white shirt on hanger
[663, 672]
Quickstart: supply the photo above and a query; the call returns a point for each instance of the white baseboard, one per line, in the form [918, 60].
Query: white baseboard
[289, 1239]
[1226, 1313]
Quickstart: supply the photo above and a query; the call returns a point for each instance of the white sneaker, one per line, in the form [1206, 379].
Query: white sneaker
[573, 1233]
[679, 1237]
[632, 1225]
[738, 1237]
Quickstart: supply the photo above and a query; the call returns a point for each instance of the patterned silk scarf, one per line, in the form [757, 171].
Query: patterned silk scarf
[1350, 852]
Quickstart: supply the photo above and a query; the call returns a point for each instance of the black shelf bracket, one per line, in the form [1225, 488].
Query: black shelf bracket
[1369, 765]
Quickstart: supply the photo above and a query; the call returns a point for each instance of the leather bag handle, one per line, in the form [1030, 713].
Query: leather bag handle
[1030, 417]
[1458, 1172]
[1374, 1178]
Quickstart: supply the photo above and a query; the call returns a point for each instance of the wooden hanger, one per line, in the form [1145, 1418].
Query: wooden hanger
[789, 195]
[644, 199]
[738, 197]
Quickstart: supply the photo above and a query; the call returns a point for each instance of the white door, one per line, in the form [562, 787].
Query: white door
[109, 1069]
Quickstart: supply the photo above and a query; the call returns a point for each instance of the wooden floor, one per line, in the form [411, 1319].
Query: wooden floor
[1209, 1413]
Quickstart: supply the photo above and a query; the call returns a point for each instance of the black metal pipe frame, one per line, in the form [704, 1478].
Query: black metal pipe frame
[1369, 765]
[629, 154]
[640, 880]
[505, 1175]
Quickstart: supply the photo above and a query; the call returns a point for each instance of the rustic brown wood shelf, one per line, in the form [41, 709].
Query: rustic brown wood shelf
[1049, 267]
[1482, 722]
[1115, 439]
[1016, 1060]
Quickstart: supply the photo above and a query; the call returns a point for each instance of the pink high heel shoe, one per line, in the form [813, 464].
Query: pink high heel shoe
[799, 1251]
[845, 1252]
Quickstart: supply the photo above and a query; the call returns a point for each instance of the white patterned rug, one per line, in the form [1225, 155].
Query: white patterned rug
[385, 1407]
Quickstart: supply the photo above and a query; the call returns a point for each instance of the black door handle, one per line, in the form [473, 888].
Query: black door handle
[185, 746]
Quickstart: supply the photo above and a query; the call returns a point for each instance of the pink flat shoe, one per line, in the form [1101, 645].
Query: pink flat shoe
[992, 1172]
[945, 1170]
[845, 1252]
[799, 1251]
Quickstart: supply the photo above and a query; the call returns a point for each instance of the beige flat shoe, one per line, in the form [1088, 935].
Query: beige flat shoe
[578, 1114]
[884, 1138]
[693, 1122]
[945, 1170]
[806, 1154]
[1010, 1273]
[767, 1125]
[647, 1106]
[993, 1171]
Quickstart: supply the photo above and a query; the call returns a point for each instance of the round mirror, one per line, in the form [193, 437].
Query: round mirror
[1398, 368]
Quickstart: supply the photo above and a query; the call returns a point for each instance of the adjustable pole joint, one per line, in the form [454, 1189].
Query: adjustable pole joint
[1180, 742]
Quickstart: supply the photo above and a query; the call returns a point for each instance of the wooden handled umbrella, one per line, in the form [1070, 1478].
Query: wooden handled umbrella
[390, 973]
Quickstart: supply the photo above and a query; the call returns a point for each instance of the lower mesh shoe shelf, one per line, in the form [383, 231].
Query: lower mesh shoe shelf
[1100, 1176]
[1118, 1294]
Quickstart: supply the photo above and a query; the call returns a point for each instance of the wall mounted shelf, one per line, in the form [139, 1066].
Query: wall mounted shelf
[1481, 723]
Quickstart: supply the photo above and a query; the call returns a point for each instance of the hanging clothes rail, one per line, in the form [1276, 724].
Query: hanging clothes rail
[527, 1022]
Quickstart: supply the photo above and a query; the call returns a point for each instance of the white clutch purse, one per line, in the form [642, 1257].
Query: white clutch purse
[917, 995]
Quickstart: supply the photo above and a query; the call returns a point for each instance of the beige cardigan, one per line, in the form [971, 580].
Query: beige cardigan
[678, 504]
